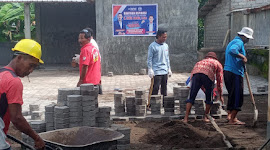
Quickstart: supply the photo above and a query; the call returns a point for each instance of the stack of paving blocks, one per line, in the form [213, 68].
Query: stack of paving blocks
[64, 92]
[103, 117]
[95, 94]
[89, 110]
[199, 107]
[123, 143]
[38, 126]
[61, 117]
[74, 102]
[130, 105]
[140, 103]
[89, 103]
[155, 103]
[33, 108]
[168, 105]
[215, 110]
[181, 93]
[262, 88]
[119, 104]
[49, 117]
[37, 115]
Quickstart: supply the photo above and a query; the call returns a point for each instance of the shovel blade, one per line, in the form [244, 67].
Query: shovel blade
[255, 117]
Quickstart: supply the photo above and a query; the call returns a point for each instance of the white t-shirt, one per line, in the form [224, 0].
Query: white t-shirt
[3, 143]
[94, 43]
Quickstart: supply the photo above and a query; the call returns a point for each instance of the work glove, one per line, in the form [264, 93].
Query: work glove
[150, 73]
[76, 58]
[170, 73]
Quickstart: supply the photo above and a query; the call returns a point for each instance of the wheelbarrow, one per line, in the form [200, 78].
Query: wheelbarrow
[81, 138]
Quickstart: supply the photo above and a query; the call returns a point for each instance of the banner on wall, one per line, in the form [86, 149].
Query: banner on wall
[135, 20]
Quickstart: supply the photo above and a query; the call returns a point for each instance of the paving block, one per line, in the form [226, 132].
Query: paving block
[33, 108]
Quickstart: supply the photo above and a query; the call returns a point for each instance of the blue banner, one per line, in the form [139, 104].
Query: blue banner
[135, 20]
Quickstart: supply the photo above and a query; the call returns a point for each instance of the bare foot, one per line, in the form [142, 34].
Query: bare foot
[205, 119]
[185, 120]
[238, 122]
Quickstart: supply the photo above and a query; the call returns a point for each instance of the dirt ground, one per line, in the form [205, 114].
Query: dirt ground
[198, 134]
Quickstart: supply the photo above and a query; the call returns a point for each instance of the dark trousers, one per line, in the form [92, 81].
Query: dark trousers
[160, 80]
[198, 80]
[234, 85]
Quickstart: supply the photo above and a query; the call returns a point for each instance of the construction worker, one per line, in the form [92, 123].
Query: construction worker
[26, 57]
[89, 62]
[158, 62]
[235, 59]
[204, 74]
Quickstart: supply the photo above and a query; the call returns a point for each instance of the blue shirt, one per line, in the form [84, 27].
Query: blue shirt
[233, 63]
[158, 58]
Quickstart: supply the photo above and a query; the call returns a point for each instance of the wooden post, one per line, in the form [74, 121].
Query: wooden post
[27, 19]
[268, 113]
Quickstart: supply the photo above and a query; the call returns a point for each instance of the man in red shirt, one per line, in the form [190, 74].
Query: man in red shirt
[27, 56]
[204, 74]
[90, 66]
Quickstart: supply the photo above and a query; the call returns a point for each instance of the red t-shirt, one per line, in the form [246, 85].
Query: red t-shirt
[90, 56]
[13, 88]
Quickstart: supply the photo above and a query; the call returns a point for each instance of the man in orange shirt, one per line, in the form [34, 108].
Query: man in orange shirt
[27, 56]
[90, 66]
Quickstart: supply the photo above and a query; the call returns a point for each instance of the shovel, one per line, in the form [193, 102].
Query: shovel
[252, 99]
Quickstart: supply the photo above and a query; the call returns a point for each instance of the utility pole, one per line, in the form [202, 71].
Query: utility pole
[27, 19]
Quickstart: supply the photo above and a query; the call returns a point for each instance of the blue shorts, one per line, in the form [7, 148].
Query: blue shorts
[198, 80]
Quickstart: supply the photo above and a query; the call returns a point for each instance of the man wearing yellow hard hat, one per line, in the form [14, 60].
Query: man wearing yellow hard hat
[27, 56]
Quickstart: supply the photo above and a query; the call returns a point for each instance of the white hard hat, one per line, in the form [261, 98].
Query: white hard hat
[247, 32]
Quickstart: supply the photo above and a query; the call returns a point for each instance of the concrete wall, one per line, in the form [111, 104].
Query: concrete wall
[127, 55]
[216, 25]
[6, 52]
[259, 22]
[239, 4]
[58, 27]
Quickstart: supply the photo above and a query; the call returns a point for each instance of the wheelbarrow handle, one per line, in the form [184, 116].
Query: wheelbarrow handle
[21, 142]
[48, 147]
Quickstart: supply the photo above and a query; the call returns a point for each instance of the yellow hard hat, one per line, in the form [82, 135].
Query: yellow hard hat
[29, 47]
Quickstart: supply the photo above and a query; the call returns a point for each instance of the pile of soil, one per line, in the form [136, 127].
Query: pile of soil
[176, 134]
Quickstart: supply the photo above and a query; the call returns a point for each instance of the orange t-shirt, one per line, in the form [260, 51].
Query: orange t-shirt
[11, 90]
[90, 57]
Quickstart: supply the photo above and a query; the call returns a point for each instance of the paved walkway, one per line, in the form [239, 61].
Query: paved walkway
[42, 86]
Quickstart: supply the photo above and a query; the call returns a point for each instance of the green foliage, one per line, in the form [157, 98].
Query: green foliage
[201, 26]
[200, 33]
[12, 21]
[259, 54]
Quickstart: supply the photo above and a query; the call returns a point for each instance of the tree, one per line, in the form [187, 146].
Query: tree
[201, 27]
[12, 21]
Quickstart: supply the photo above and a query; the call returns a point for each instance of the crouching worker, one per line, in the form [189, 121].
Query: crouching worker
[204, 74]
[27, 56]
